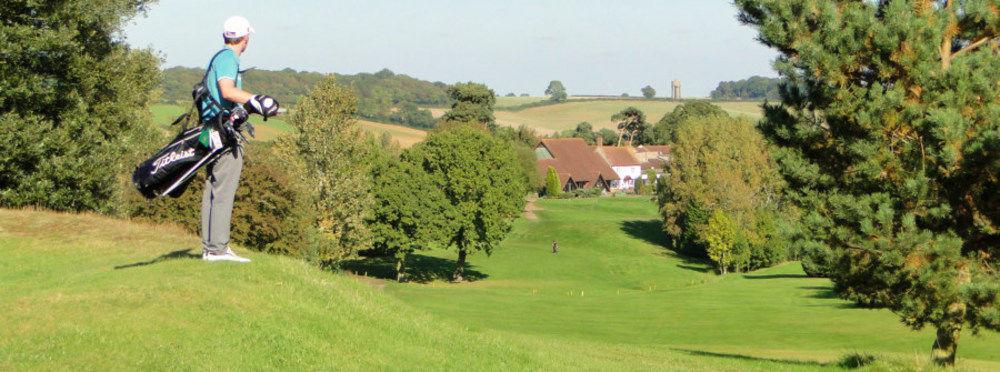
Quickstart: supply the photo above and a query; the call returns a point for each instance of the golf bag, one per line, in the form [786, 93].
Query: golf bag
[170, 170]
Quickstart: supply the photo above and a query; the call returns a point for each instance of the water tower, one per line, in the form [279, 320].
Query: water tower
[676, 89]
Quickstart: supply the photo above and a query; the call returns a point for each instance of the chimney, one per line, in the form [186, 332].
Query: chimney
[600, 141]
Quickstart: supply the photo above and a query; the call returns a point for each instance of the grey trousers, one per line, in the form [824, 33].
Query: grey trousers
[217, 201]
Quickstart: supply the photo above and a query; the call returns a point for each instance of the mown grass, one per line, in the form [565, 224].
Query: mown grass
[613, 282]
[552, 118]
[164, 114]
[86, 292]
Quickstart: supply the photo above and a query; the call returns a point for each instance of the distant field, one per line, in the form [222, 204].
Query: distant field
[504, 102]
[164, 114]
[548, 119]
[404, 135]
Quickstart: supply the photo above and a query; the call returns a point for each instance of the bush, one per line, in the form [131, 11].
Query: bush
[270, 213]
[72, 104]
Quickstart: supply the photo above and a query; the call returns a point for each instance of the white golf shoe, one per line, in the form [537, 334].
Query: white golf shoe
[229, 255]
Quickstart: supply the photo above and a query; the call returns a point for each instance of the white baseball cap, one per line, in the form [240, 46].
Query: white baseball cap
[236, 26]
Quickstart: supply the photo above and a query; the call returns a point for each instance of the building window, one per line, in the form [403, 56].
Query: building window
[542, 153]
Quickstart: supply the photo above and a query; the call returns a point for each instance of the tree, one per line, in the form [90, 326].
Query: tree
[473, 104]
[335, 165]
[556, 91]
[648, 92]
[608, 135]
[756, 87]
[552, 185]
[663, 131]
[719, 163]
[631, 123]
[73, 104]
[586, 131]
[510, 95]
[720, 236]
[888, 135]
[482, 182]
[410, 212]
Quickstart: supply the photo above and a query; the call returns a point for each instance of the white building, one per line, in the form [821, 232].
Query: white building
[623, 161]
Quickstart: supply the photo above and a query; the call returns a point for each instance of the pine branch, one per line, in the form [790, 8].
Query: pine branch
[950, 30]
[971, 46]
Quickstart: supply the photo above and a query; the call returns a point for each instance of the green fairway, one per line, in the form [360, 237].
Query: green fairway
[612, 282]
[551, 118]
[88, 292]
[97, 293]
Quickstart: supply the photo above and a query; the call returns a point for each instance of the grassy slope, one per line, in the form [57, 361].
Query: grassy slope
[87, 292]
[567, 115]
[164, 114]
[611, 282]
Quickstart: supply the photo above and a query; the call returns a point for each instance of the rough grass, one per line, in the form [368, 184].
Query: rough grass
[553, 118]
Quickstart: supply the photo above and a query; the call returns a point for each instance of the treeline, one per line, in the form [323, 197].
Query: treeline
[382, 96]
[632, 127]
[754, 88]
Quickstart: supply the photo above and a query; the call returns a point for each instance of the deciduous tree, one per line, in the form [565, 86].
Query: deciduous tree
[648, 92]
[481, 180]
[556, 91]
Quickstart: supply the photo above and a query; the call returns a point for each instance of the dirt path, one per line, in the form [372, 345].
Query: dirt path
[530, 207]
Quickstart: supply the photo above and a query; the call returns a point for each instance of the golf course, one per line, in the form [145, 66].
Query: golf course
[81, 289]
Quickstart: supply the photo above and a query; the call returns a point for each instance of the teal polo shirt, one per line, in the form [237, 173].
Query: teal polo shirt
[225, 65]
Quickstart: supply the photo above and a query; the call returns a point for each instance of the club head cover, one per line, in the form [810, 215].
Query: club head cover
[262, 105]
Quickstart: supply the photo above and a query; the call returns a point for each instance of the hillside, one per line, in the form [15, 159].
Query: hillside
[98, 294]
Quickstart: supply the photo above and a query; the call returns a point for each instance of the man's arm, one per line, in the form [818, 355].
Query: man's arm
[229, 91]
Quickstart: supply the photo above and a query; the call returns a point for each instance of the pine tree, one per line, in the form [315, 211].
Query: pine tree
[889, 134]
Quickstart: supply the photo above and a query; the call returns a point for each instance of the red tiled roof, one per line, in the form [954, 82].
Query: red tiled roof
[618, 156]
[572, 157]
[663, 149]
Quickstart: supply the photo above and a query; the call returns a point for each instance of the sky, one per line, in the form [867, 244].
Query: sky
[513, 46]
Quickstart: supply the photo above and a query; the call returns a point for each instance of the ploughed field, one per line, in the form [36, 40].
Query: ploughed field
[96, 293]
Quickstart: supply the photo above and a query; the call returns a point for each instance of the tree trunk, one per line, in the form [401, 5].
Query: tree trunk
[460, 267]
[946, 344]
[399, 268]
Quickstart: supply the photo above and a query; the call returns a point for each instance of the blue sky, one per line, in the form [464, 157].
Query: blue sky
[594, 47]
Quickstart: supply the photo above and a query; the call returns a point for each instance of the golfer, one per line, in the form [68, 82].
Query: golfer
[225, 87]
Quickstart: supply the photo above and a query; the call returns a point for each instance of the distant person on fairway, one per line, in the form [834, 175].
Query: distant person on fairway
[225, 86]
[555, 247]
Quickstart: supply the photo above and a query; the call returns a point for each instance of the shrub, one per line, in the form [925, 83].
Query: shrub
[270, 213]
[72, 104]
